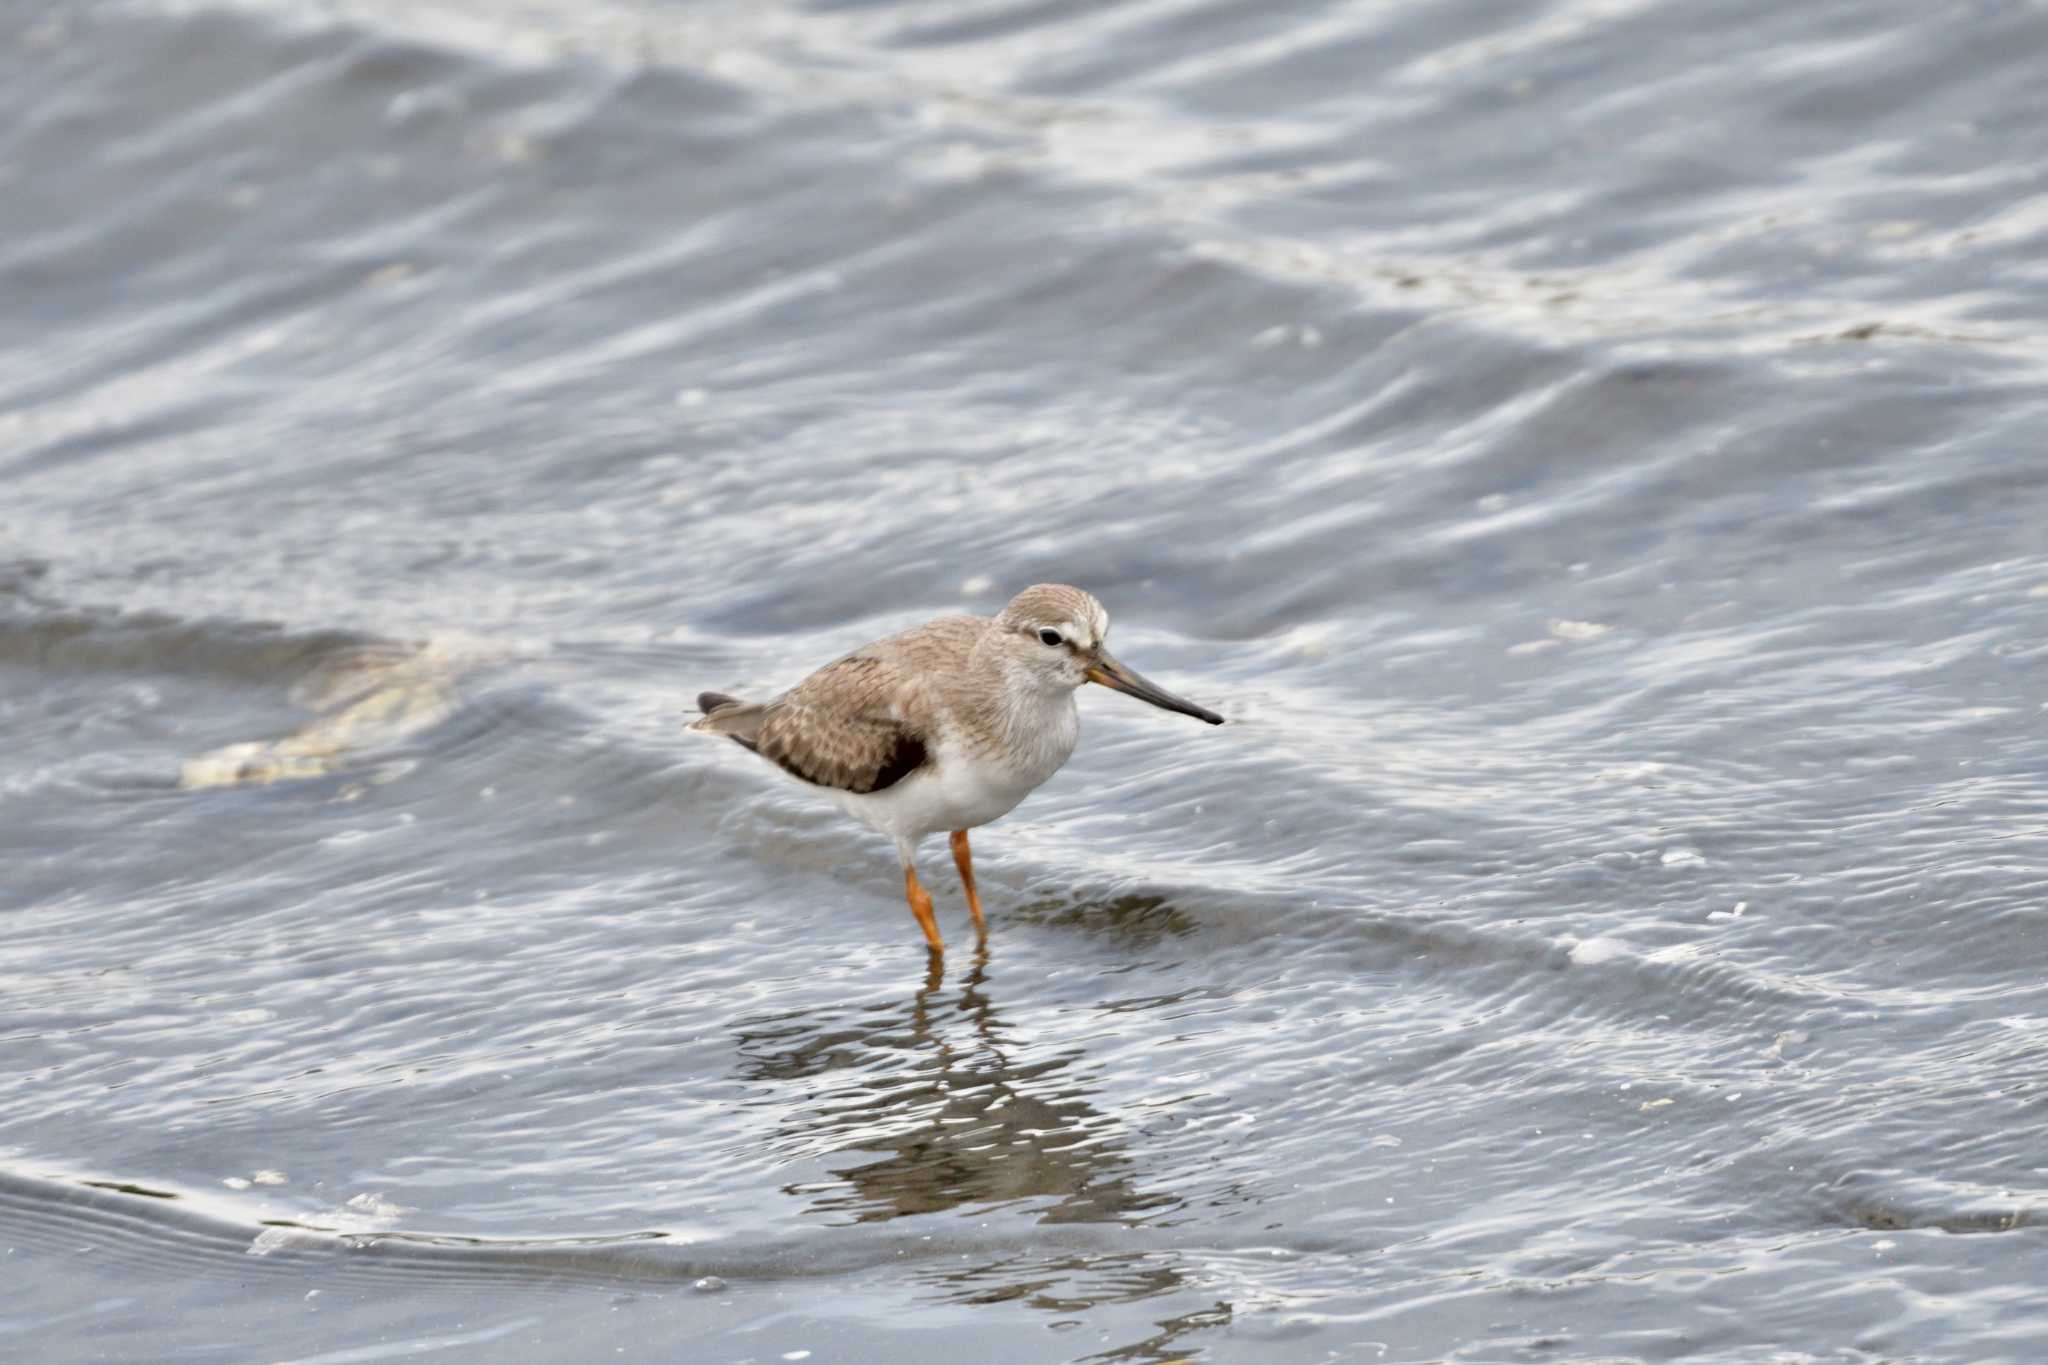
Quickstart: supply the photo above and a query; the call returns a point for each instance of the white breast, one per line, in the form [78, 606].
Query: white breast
[965, 785]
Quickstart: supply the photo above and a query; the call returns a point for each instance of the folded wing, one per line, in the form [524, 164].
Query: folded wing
[836, 728]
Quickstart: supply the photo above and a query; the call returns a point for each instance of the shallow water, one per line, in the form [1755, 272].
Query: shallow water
[1590, 451]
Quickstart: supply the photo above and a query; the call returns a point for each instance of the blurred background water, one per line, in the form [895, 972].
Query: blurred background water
[1590, 450]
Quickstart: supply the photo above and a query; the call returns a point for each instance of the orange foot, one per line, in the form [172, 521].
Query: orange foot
[964, 860]
[921, 906]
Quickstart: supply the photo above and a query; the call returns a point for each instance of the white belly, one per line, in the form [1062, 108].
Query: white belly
[965, 788]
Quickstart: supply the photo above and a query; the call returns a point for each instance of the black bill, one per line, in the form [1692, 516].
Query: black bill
[1112, 674]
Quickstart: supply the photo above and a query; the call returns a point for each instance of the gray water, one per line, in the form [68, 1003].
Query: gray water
[1591, 451]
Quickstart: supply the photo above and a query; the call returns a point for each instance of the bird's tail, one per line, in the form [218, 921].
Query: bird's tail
[729, 716]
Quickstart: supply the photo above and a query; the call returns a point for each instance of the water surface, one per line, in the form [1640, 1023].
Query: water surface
[1588, 450]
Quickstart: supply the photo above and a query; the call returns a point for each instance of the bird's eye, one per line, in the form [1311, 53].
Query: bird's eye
[1050, 636]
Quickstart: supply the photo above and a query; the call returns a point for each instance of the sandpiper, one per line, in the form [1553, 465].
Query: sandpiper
[944, 727]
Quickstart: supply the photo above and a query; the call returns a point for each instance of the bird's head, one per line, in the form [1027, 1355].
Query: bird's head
[1054, 636]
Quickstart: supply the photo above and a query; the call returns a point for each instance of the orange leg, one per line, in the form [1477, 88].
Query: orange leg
[964, 860]
[921, 906]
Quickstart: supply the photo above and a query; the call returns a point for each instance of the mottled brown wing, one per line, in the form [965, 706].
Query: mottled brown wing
[835, 728]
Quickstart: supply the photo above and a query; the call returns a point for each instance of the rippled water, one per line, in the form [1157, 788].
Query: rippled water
[1591, 451]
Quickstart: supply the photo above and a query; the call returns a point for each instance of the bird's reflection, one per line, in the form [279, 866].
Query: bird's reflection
[926, 1095]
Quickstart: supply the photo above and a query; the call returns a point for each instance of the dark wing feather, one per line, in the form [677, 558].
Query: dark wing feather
[834, 729]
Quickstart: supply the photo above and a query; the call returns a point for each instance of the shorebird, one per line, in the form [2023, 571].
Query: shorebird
[944, 727]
